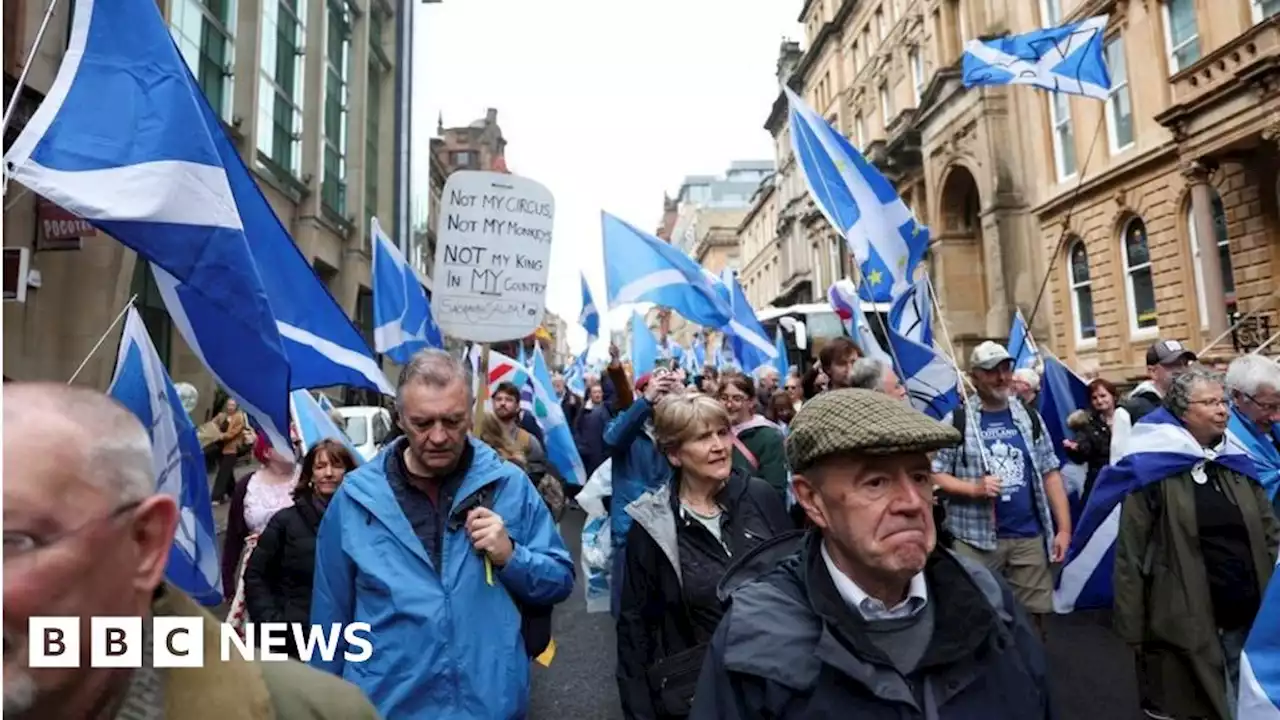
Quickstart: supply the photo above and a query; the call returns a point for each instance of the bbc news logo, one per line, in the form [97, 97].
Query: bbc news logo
[178, 642]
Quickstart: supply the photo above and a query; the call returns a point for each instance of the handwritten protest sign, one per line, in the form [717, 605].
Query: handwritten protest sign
[493, 252]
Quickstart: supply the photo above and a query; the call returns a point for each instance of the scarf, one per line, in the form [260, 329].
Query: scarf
[1260, 446]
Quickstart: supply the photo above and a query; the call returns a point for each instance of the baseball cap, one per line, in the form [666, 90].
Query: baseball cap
[1167, 352]
[988, 355]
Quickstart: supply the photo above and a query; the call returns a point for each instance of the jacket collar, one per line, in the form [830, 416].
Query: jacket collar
[656, 511]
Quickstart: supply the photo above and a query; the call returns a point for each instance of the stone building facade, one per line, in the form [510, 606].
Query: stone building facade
[314, 132]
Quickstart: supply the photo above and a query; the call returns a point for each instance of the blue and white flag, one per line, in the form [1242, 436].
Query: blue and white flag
[645, 352]
[325, 403]
[314, 424]
[589, 319]
[931, 379]
[700, 352]
[883, 234]
[123, 140]
[750, 342]
[780, 362]
[141, 384]
[561, 449]
[639, 267]
[1021, 345]
[1062, 392]
[1158, 448]
[1069, 59]
[844, 299]
[575, 376]
[402, 321]
[912, 313]
[1259, 697]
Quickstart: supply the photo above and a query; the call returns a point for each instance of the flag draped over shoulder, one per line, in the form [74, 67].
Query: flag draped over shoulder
[1068, 59]
[1159, 447]
[141, 384]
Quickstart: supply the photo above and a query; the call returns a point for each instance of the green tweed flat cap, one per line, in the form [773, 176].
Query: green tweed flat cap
[862, 421]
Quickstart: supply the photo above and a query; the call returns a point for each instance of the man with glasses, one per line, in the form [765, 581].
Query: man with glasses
[446, 551]
[87, 535]
[795, 390]
[1254, 385]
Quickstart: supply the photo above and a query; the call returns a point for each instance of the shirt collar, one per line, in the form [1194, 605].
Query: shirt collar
[871, 608]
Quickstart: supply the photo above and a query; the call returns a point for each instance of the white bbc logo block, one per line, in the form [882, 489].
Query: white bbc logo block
[178, 642]
[53, 642]
[116, 642]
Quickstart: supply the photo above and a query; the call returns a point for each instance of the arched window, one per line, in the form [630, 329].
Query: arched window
[1141, 296]
[1224, 258]
[1081, 292]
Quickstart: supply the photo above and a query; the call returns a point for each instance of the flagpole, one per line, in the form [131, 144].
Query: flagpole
[483, 395]
[857, 269]
[102, 339]
[1066, 232]
[962, 381]
[1265, 302]
[26, 67]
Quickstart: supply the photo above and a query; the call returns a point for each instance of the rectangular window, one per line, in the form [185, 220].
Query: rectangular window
[280, 96]
[336, 87]
[917, 73]
[1182, 35]
[1263, 9]
[203, 32]
[1050, 13]
[1120, 103]
[462, 159]
[860, 132]
[373, 112]
[886, 105]
[1064, 140]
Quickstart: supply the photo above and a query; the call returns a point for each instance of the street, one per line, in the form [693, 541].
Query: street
[1093, 674]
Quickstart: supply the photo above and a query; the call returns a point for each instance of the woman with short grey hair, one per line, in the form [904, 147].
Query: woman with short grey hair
[1194, 553]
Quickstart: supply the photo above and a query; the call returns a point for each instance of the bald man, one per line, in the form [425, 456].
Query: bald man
[86, 534]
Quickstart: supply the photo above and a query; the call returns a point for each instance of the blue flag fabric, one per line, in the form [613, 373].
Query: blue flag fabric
[1259, 697]
[123, 141]
[141, 384]
[912, 313]
[930, 379]
[1069, 58]
[860, 203]
[780, 362]
[645, 352]
[1021, 345]
[1264, 448]
[589, 318]
[844, 299]
[562, 450]
[402, 318]
[1158, 447]
[750, 343]
[314, 424]
[1062, 392]
[640, 268]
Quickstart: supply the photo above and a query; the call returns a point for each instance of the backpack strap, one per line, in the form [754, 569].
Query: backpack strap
[750, 456]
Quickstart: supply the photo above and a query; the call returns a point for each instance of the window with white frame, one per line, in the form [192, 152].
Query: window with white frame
[1263, 9]
[916, 60]
[1141, 295]
[1064, 139]
[280, 94]
[1224, 256]
[1082, 292]
[1050, 13]
[1182, 34]
[886, 104]
[860, 131]
[204, 32]
[1120, 101]
[333, 190]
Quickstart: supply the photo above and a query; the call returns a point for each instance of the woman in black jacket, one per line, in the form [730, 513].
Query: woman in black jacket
[684, 536]
[278, 577]
[588, 432]
[1092, 443]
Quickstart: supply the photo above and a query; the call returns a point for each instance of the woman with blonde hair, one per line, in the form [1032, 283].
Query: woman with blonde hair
[684, 536]
[490, 432]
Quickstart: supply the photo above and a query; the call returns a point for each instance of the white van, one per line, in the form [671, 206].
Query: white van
[367, 427]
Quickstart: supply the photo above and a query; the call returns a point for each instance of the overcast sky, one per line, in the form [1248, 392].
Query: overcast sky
[606, 102]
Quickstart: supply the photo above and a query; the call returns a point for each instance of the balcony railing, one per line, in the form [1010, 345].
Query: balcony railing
[1243, 59]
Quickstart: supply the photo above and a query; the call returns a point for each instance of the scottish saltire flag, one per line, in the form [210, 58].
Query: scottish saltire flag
[912, 313]
[123, 140]
[645, 352]
[780, 346]
[751, 344]
[325, 403]
[639, 267]
[1069, 59]
[1158, 448]
[844, 299]
[1062, 392]
[589, 318]
[314, 424]
[931, 379]
[402, 321]
[141, 384]
[561, 451]
[1021, 345]
[575, 376]
[883, 234]
[1259, 697]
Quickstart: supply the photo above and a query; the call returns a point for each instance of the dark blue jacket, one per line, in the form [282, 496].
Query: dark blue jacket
[589, 435]
[638, 467]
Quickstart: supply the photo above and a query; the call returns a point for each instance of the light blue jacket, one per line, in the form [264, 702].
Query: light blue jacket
[446, 645]
[1261, 447]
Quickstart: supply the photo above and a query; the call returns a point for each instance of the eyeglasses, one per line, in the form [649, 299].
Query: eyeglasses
[1210, 403]
[734, 398]
[19, 545]
[1271, 407]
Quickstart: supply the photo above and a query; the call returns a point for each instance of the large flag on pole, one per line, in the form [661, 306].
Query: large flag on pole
[912, 313]
[644, 348]
[886, 240]
[314, 424]
[844, 299]
[589, 318]
[1021, 344]
[141, 384]
[750, 343]
[1069, 59]
[402, 318]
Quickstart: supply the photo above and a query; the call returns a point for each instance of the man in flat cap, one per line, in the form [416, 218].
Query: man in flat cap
[869, 619]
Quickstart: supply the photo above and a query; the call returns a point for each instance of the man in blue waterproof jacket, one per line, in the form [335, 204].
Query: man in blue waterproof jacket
[440, 546]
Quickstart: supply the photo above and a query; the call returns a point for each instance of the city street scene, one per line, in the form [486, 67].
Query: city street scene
[716, 359]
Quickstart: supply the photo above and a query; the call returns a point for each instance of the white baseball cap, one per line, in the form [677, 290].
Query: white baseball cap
[989, 355]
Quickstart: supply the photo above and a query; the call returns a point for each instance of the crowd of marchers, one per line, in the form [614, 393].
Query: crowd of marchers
[797, 547]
